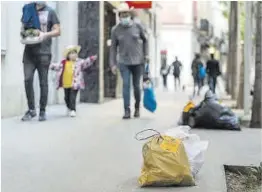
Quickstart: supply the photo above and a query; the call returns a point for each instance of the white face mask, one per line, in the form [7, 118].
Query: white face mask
[125, 20]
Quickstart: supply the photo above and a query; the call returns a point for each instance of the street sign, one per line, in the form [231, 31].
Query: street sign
[140, 4]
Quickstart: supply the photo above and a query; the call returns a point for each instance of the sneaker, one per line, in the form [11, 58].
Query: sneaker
[42, 116]
[127, 114]
[30, 114]
[72, 113]
[137, 113]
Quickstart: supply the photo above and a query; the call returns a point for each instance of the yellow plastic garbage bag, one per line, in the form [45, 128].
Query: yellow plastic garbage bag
[165, 163]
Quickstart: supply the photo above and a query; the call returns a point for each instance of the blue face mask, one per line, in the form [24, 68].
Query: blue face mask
[125, 21]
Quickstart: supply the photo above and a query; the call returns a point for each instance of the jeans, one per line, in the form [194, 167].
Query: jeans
[40, 63]
[198, 82]
[70, 98]
[136, 71]
[212, 82]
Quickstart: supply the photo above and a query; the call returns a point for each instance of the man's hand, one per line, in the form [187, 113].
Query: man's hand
[114, 69]
[42, 36]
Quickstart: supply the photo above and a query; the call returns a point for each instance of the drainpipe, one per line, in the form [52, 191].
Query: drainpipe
[101, 52]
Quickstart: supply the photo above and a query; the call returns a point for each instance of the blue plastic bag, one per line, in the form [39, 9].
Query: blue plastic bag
[149, 99]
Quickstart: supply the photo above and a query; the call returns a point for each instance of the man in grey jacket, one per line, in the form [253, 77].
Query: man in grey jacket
[129, 41]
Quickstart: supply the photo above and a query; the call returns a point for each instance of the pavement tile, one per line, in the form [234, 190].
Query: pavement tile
[97, 151]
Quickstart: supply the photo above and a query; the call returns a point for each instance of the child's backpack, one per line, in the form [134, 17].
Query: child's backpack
[202, 72]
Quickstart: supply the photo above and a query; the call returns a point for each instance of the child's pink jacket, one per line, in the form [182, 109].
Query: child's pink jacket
[78, 79]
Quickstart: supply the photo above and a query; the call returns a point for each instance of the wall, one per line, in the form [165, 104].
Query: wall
[12, 86]
[219, 21]
[89, 39]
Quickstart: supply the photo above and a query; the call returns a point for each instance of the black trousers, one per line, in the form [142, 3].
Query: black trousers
[164, 80]
[33, 62]
[212, 82]
[177, 80]
[70, 98]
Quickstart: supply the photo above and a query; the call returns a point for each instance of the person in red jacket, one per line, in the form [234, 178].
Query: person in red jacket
[213, 71]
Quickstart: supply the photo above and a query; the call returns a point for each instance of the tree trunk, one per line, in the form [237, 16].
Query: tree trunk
[240, 99]
[233, 67]
[229, 62]
[235, 50]
[256, 119]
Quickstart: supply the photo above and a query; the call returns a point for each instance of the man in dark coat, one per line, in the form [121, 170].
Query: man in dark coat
[213, 71]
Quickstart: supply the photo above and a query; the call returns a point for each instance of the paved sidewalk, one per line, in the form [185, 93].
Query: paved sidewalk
[97, 151]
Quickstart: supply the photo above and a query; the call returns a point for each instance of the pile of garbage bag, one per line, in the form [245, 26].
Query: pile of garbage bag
[210, 114]
[172, 159]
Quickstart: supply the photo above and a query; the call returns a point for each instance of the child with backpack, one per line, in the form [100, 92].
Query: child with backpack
[198, 72]
[70, 75]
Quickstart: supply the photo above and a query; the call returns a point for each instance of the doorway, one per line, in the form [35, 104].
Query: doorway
[110, 80]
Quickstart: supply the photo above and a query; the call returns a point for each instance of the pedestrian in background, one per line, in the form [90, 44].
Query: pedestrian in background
[213, 71]
[38, 57]
[70, 75]
[177, 66]
[197, 64]
[164, 70]
[130, 39]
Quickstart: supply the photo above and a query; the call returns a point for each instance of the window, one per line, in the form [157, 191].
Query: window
[3, 26]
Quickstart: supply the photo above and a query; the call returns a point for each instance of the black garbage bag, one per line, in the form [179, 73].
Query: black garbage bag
[210, 114]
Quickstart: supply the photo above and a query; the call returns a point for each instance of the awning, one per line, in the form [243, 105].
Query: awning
[140, 4]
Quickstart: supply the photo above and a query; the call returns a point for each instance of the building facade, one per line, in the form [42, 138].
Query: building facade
[85, 23]
[211, 27]
[177, 34]
[196, 30]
